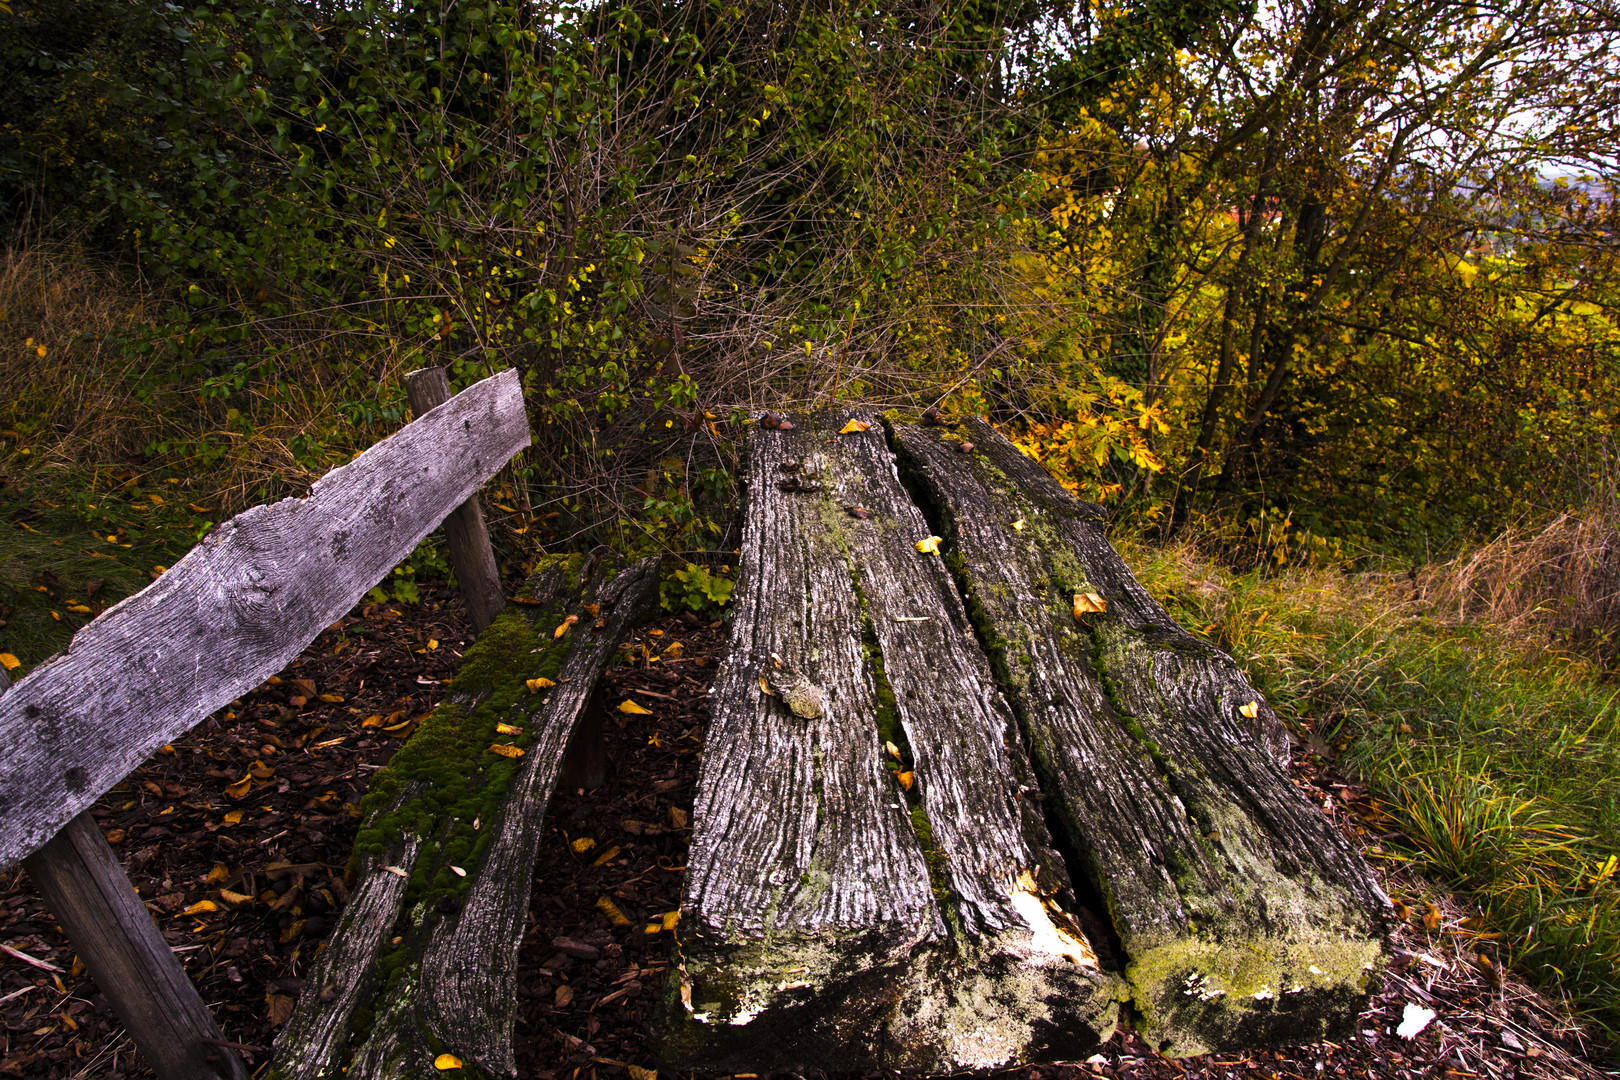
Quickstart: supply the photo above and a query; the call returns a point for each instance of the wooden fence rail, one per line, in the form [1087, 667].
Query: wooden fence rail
[235, 610]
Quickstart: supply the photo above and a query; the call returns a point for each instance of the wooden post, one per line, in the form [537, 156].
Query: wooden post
[80, 880]
[471, 555]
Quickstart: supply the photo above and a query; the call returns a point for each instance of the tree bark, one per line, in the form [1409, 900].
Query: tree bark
[425, 960]
[841, 913]
[1245, 917]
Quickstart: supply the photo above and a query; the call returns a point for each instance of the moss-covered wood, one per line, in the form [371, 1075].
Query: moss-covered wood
[425, 959]
[871, 882]
[1244, 916]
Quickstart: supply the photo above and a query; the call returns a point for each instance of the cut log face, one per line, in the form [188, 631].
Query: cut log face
[425, 960]
[871, 883]
[1245, 917]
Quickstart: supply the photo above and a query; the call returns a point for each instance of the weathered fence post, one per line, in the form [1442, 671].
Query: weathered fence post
[240, 605]
[471, 554]
[78, 875]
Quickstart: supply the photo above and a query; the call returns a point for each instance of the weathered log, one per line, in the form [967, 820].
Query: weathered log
[840, 913]
[1245, 916]
[235, 610]
[424, 961]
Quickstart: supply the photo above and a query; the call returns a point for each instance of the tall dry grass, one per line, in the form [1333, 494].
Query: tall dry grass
[1562, 579]
[71, 399]
[83, 405]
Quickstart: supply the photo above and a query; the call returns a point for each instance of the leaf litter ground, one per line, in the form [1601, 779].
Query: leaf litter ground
[246, 880]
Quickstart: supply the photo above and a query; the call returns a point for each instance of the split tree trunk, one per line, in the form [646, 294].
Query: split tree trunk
[1245, 916]
[1080, 790]
[872, 887]
[424, 962]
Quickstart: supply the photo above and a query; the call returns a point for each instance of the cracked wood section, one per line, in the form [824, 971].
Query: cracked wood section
[1246, 918]
[806, 888]
[451, 986]
[1012, 978]
[235, 610]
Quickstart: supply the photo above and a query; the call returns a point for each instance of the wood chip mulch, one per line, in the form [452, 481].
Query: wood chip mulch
[246, 881]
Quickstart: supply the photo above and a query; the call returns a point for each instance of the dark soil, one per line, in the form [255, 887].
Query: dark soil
[246, 882]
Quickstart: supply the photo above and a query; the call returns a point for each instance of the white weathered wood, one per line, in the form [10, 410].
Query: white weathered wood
[806, 888]
[811, 937]
[236, 609]
[471, 554]
[1246, 917]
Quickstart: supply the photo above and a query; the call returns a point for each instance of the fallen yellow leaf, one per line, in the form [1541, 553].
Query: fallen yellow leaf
[508, 729]
[218, 874]
[674, 649]
[593, 610]
[582, 845]
[670, 918]
[446, 1062]
[11, 663]
[1019, 525]
[1251, 710]
[78, 609]
[611, 910]
[893, 750]
[607, 856]
[537, 685]
[628, 706]
[234, 817]
[853, 426]
[201, 907]
[374, 720]
[929, 546]
[639, 1073]
[235, 899]
[563, 629]
[906, 779]
[239, 789]
[332, 699]
[506, 750]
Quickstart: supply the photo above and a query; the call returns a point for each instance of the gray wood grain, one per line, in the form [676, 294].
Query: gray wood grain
[241, 604]
[472, 556]
[455, 989]
[811, 937]
[1245, 916]
[806, 887]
